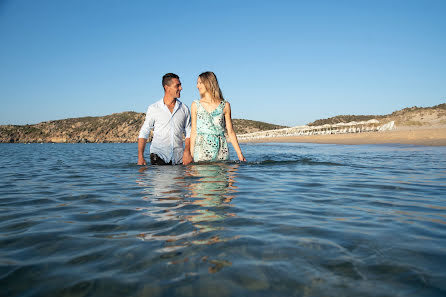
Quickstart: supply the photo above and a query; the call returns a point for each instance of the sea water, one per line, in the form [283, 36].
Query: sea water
[295, 220]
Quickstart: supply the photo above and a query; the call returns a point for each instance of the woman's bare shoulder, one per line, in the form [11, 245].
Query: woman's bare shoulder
[227, 105]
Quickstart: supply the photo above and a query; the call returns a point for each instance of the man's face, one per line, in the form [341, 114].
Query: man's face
[174, 89]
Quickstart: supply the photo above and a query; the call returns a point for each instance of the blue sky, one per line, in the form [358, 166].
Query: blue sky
[283, 62]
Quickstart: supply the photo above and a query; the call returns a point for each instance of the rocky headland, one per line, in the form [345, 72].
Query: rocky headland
[118, 127]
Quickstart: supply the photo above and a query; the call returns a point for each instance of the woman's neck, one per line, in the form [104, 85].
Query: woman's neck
[206, 97]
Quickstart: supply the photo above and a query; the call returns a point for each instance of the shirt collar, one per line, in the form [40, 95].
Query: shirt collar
[177, 106]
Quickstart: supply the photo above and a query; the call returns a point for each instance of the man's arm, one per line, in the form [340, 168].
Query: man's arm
[141, 147]
[143, 135]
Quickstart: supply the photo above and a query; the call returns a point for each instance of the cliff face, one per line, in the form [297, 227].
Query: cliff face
[118, 127]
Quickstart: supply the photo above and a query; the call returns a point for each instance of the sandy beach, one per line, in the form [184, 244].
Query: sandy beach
[432, 136]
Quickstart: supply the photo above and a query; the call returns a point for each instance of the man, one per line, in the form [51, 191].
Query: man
[169, 118]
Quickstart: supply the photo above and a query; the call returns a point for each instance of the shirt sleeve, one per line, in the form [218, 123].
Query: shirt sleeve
[187, 126]
[147, 126]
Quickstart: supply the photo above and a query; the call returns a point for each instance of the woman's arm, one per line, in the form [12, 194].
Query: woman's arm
[231, 133]
[193, 130]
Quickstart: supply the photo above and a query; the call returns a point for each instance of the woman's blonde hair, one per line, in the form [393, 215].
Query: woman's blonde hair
[210, 82]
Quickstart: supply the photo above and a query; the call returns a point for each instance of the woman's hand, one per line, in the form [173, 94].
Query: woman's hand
[141, 161]
[241, 157]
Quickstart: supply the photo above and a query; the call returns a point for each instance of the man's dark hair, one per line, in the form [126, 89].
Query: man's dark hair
[168, 77]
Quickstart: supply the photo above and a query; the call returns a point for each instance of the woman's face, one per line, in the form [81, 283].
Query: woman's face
[200, 86]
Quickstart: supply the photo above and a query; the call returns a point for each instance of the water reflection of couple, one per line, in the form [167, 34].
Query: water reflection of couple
[213, 184]
[204, 128]
[206, 190]
[208, 185]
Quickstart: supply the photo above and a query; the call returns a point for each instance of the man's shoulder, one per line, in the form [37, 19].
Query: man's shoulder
[156, 104]
[182, 106]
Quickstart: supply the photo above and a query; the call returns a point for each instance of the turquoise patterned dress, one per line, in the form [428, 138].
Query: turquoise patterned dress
[210, 143]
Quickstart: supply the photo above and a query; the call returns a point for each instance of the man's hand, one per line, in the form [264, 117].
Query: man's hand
[141, 161]
[187, 158]
[141, 147]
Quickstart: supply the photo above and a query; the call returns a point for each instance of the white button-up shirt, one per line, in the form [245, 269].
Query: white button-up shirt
[168, 129]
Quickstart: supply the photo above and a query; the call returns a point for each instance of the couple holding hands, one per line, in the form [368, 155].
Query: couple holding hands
[203, 126]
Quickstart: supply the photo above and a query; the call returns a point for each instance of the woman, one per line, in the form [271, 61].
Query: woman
[210, 115]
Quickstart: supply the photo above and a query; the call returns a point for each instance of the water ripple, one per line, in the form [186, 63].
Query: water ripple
[297, 219]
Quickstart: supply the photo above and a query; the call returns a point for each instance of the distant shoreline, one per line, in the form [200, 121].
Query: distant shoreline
[426, 136]
[415, 125]
[429, 136]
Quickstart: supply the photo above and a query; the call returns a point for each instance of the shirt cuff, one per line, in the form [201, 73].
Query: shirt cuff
[144, 134]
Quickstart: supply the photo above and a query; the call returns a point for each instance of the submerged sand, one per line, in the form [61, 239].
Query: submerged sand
[432, 136]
